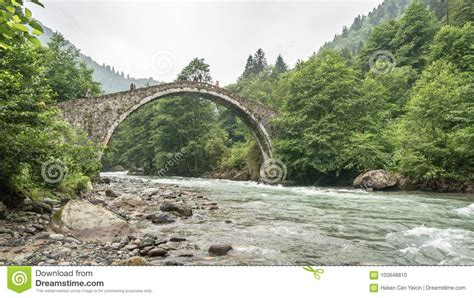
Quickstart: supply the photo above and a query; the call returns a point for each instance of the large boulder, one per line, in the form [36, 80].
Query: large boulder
[88, 221]
[375, 180]
[219, 249]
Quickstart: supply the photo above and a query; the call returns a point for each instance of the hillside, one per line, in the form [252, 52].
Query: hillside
[111, 80]
[354, 36]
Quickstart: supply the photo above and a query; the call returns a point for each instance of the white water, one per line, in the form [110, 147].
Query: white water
[332, 226]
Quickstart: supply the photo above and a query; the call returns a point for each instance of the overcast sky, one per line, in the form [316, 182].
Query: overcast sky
[158, 38]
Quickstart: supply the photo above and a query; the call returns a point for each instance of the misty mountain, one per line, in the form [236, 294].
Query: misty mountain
[111, 80]
[354, 36]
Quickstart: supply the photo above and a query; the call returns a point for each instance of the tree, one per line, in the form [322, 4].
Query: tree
[454, 44]
[280, 66]
[259, 62]
[436, 136]
[67, 75]
[249, 66]
[316, 120]
[416, 30]
[31, 132]
[380, 39]
[196, 70]
[357, 24]
[16, 22]
[460, 12]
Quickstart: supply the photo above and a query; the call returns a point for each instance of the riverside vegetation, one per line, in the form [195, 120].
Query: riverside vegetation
[410, 112]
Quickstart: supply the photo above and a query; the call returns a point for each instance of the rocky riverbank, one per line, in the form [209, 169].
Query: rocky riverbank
[117, 224]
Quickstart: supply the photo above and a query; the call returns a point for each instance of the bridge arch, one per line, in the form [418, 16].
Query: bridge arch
[101, 116]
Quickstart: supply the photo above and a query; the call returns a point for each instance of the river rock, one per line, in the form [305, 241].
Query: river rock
[161, 218]
[129, 200]
[150, 235]
[41, 235]
[157, 252]
[133, 261]
[146, 242]
[50, 201]
[88, 221]
[130, 246]
[180, 209]
[57, 237]
[150, 192]
[72, 240]
[110, 193]
[43, 207]
[219, 249]
[105, 180]
[376, 180]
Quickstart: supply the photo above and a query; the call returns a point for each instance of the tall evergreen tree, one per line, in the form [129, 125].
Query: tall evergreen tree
[249, 66]
[260, 62]
[280, 66]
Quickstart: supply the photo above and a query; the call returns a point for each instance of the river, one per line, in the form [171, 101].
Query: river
[276, 225]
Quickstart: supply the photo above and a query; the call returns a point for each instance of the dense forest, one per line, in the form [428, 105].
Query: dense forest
[400, 100]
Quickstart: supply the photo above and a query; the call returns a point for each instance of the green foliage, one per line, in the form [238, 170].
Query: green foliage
[436, 136]
[153, 136]
[415, 32]
[17, 24]
[280, 67]
[460, 12]
[408, 38]
[64, 67]
[255, 65]
[317, 117]
[244, 158]
[380, 39]
[196, 70]
[455, 44]
[31, 133]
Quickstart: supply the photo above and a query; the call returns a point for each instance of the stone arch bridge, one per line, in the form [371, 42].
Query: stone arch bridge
[100, 116]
